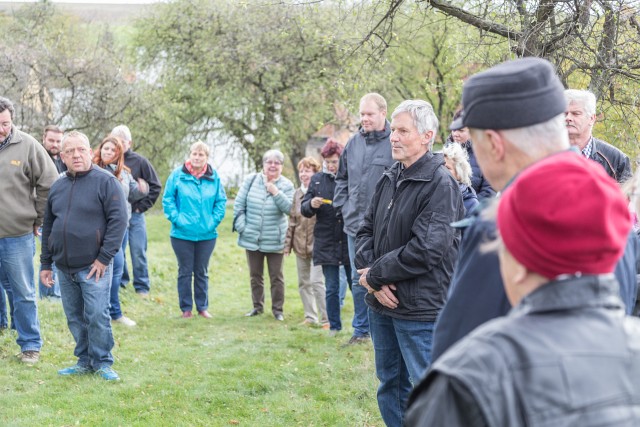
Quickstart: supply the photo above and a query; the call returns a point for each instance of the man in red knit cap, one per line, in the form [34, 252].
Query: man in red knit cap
[566, 354]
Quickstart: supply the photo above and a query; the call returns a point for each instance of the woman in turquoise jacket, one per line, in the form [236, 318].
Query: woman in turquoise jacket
[194, 202]
[260, 216]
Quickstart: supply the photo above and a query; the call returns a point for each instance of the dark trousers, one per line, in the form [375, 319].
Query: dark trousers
[255, 260]
[193, 264]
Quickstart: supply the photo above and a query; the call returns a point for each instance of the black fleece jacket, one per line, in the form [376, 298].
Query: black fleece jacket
[85, 220]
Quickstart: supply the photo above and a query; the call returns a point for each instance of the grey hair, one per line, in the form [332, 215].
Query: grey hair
[273, 154]
[584, 98]
[539, 140]
[122, 132]
[74, 134]
[424, 119]
[5, 104]
[460, 160]
[199, 146]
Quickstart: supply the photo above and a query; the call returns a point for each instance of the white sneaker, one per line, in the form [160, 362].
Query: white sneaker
[124, 320]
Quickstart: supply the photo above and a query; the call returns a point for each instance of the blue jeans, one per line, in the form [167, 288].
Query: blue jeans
[6, 307]
[114, 297]
[16, 260]
[332, 285]
[360, 318]
[137, 238]
[86, 305]
[402, 351]
[343, 286]
[54, 290]
[193, 263]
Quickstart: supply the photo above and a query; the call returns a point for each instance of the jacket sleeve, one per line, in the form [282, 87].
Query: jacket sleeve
[443, 401]
[365, 255]
[43, 174]
[220, 204]
[148, 173]
[114, 206]
[485, 191]
[284, 198]
[291, 229]
[240, 204]
[135, 195]
[305, 207]
[46, 259]
[432, 238]
[341, 192]
[169, 203]
[624, 170]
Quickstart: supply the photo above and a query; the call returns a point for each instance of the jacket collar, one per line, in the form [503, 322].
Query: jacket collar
[422, 170]
[80, 174]
[377, 135]
[572, 293]
[208, 174]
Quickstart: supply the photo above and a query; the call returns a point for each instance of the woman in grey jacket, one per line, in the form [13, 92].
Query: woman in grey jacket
[260, 217]
[110, 156]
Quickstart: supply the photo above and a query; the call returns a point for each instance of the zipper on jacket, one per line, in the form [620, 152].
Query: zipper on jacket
[64, 224]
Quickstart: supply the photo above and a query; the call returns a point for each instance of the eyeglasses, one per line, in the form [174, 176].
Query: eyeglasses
[272, 162]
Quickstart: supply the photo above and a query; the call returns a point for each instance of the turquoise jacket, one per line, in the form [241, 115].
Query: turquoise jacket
[194, 206]
[260, 218]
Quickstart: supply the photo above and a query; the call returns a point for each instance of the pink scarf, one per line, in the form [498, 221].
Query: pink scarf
[195, 174]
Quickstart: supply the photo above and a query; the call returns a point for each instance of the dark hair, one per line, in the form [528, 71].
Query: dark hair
[5, 104]
[52, 128]
[330, 148]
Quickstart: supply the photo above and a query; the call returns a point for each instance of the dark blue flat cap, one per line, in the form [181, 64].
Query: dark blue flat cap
[514, 94]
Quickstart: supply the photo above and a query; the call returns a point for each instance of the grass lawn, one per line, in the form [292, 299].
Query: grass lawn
[229, 370]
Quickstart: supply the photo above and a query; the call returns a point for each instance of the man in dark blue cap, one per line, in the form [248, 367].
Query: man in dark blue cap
[515, 112]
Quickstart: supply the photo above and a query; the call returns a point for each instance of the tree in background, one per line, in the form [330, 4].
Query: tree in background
[263, 75]
[57, 71]
[594, 44]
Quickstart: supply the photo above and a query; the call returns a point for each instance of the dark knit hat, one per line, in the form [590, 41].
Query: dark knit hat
[514, 94]
[564, 215]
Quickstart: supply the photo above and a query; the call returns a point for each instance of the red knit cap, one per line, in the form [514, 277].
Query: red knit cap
[564, 215]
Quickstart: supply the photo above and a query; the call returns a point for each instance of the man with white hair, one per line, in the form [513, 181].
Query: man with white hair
[406, 251]
[580, 117]
[140, 168]
[85, 221]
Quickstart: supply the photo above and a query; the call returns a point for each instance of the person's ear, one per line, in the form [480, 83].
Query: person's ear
[497, 144]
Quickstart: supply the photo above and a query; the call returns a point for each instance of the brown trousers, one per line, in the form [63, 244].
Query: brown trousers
[275, 264]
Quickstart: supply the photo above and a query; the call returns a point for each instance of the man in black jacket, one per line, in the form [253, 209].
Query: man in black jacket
[406, 250]
[84, 223]
[140, 168]
[580, 118]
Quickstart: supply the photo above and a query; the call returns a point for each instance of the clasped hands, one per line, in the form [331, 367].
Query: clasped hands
[384, 296]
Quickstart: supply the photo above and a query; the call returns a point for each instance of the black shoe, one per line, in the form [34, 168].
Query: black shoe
[254, 312]
[279, 317]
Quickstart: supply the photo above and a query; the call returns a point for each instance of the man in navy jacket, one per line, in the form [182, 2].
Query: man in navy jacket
[85, 221]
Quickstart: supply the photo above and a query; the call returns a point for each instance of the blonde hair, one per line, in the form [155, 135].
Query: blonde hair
[460, 159]
[309, 162]
[199, 146]
[377, 99]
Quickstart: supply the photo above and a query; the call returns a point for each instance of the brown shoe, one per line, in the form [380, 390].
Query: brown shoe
[205, 314]
[29, 357]
[187, 314]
